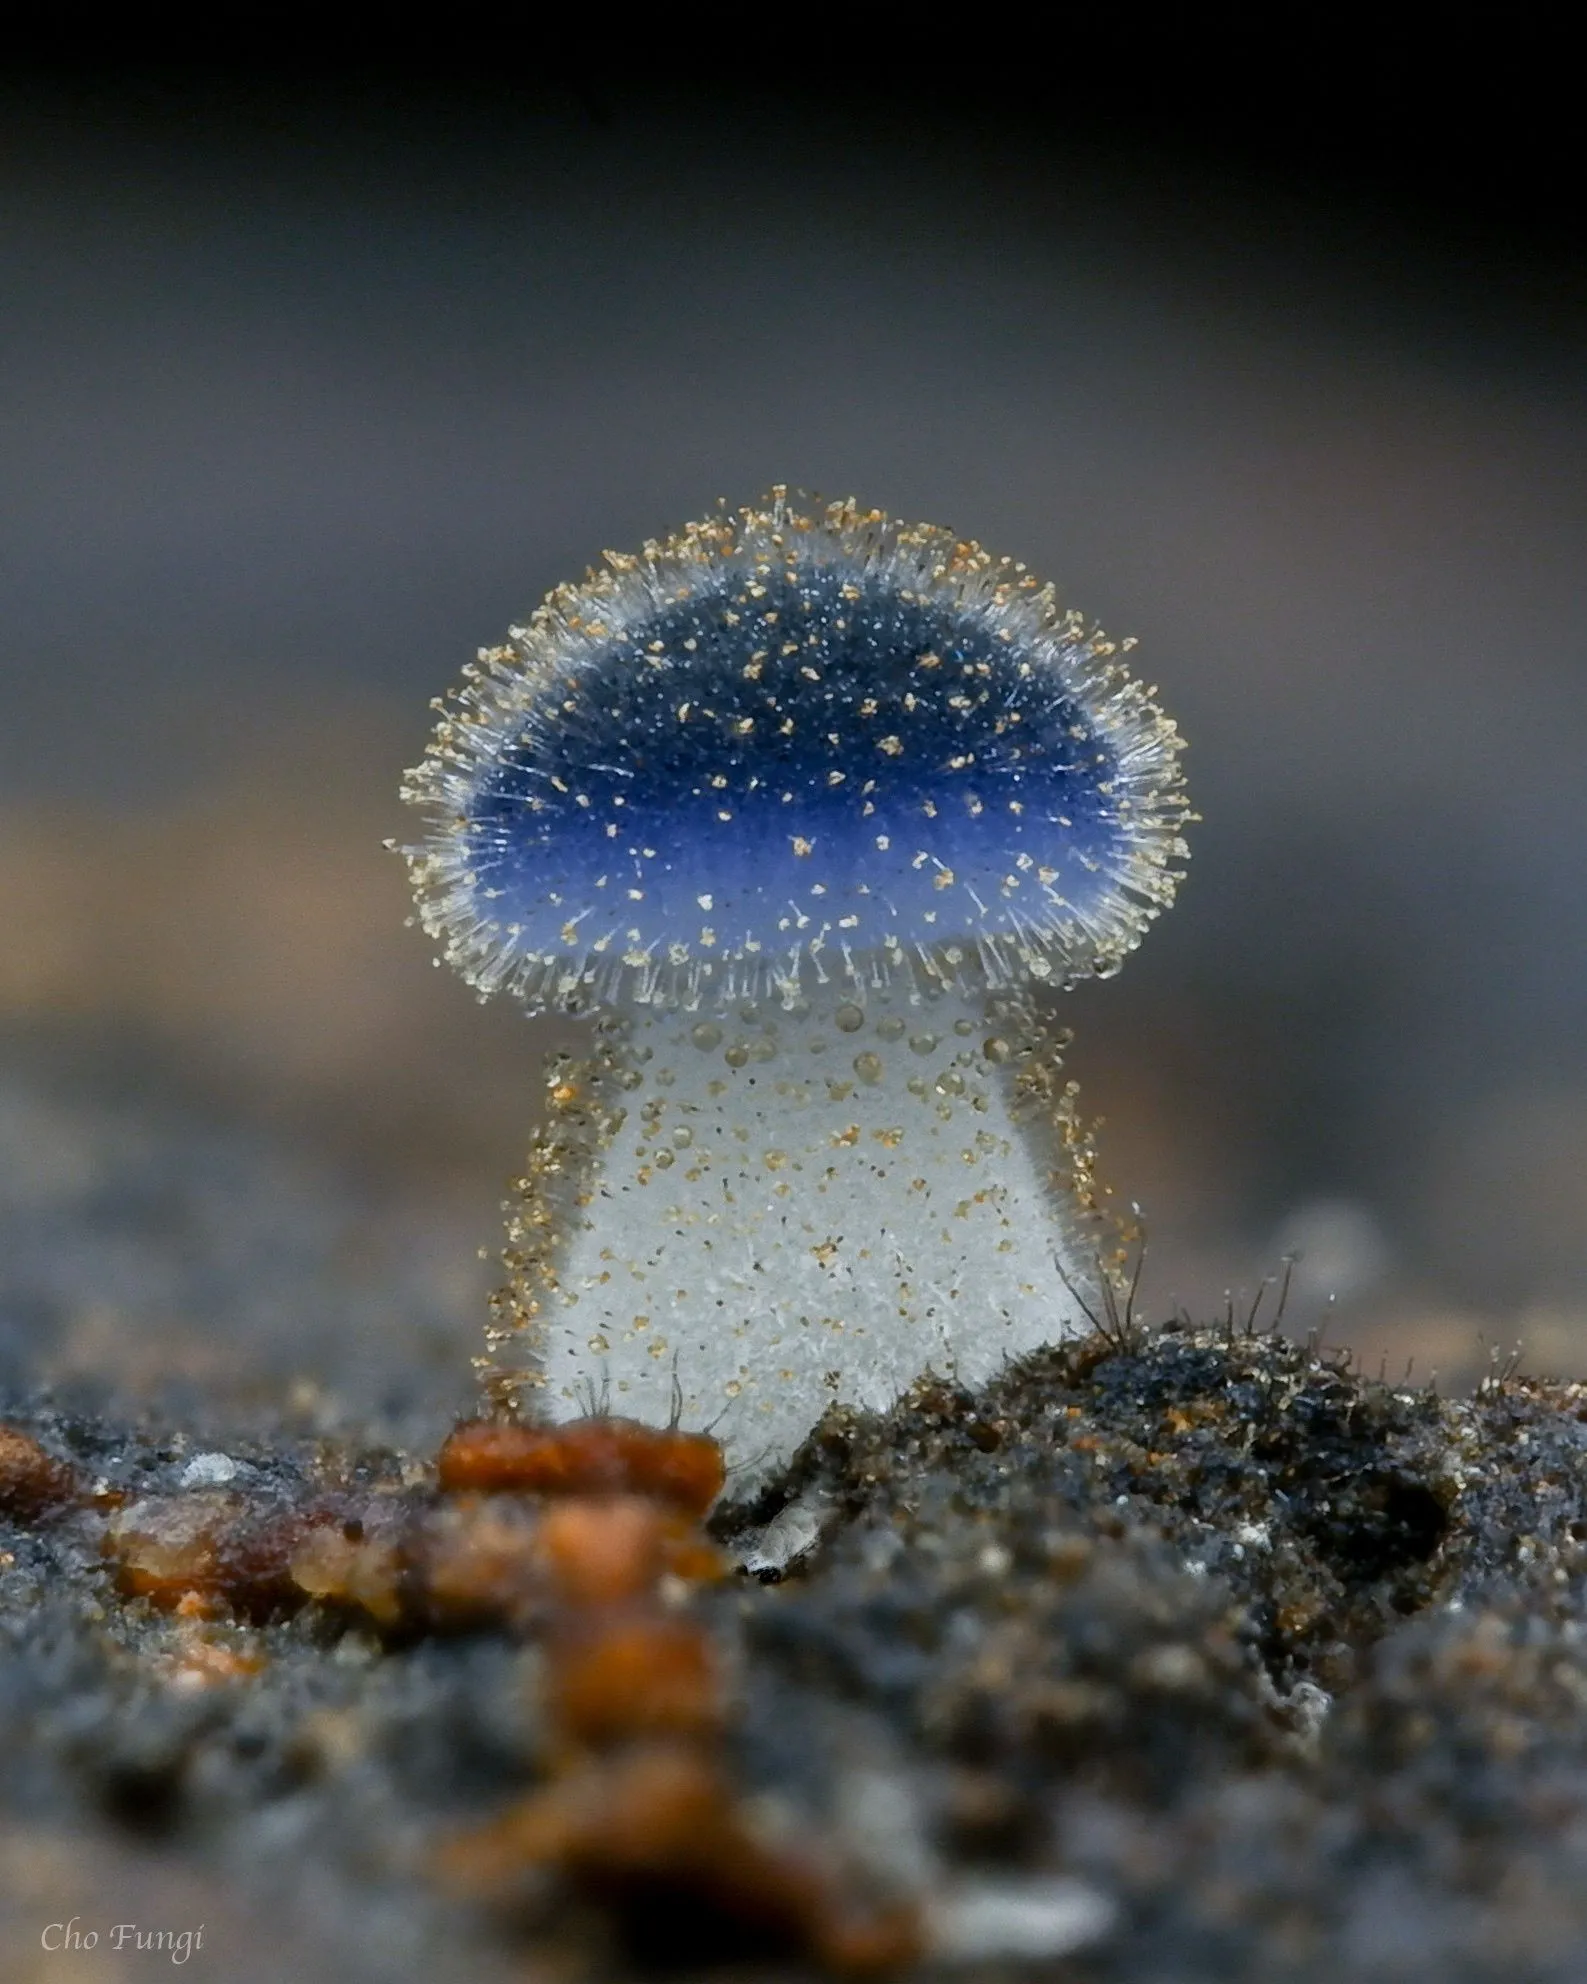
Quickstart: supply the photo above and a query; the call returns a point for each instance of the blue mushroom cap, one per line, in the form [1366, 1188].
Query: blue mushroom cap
[782, 748]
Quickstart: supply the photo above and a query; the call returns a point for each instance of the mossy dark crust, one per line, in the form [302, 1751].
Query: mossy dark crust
[1286, 1664]
[1326, 1503]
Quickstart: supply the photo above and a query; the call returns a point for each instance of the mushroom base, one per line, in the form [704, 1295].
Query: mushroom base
[791, 1209]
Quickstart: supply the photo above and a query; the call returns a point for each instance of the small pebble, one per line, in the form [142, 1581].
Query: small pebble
[1028, 1920]
[209, 1471]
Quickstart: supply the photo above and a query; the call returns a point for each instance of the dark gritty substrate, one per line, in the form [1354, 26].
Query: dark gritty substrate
[1283, 1667]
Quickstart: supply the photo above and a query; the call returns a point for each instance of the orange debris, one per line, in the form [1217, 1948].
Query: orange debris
[32, 1480]
[632, 1676]
[584, 1457]
[209, 1545]
[639, 1808]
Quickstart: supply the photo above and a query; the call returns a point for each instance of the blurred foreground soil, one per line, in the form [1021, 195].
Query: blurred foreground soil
[1187, 1653]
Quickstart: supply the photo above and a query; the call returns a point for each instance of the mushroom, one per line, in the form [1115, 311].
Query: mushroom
[809, 810]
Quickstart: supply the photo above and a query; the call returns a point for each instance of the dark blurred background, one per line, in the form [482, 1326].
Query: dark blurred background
[311, 385]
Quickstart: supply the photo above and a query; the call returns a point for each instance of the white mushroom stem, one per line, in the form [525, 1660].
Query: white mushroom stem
[802, 1207]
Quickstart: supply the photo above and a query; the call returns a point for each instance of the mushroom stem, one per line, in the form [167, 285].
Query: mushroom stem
[786, 1208]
